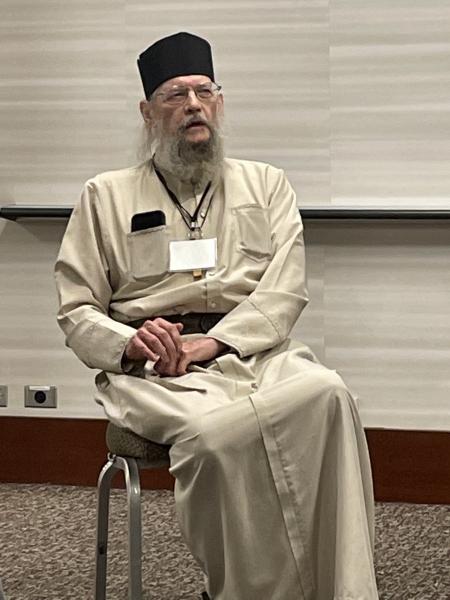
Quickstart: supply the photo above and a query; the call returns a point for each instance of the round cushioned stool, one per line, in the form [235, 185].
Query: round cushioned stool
[129, 453]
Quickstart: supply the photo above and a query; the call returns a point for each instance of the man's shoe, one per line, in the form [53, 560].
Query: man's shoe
[205, 596]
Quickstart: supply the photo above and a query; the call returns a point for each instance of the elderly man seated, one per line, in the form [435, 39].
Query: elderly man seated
[181, 279]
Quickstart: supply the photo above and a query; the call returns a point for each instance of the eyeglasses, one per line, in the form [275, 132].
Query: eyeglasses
[205, 92]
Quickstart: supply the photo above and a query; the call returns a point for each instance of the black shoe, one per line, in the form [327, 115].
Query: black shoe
[205, 596]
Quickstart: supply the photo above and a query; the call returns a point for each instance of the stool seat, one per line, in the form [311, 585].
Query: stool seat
[123, 442]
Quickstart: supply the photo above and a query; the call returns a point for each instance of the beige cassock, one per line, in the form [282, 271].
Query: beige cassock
[273, 484]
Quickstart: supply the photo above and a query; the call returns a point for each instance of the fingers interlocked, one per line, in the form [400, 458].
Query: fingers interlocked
[160, 341]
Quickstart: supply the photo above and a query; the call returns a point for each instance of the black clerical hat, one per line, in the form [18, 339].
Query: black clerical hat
[174, 56]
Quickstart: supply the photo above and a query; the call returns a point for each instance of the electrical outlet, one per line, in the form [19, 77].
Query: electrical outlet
[40, 396]
[3, 395]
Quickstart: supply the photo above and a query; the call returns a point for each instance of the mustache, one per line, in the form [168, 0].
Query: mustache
[194, 121]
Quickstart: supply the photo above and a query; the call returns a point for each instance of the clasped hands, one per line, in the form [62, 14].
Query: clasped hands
[160, 341]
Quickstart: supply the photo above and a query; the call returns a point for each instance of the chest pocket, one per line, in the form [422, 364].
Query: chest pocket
[254, 237]
[149, 252]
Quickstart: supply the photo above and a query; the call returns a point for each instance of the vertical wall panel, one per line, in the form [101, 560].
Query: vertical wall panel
[349, 92]
[386, 318]
[390, 110]
[61, 97]
[32, 348]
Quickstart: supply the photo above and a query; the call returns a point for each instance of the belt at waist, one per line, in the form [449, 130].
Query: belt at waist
[192, 322]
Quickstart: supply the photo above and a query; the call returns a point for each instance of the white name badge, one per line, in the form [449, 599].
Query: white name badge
[192, 255]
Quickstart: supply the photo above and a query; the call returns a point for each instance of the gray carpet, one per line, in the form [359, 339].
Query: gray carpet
[47, 541]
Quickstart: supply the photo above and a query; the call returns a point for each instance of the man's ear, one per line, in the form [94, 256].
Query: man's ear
[220, 104]
[144, 106]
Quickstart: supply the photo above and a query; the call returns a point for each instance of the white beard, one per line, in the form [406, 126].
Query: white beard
[195, 162]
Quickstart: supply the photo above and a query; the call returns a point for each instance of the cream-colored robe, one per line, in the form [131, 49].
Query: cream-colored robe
[273, 484]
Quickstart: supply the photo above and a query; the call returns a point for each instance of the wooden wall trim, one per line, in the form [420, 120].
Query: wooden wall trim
[60, 451]
[408, 466]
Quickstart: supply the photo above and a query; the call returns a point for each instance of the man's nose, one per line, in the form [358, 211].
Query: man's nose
[192, 103]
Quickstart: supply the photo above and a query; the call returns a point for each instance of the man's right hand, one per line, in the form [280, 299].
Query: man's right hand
[157, 340]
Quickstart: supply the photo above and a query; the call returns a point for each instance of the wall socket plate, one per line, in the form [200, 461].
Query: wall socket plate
[40, 396]
[3, 395]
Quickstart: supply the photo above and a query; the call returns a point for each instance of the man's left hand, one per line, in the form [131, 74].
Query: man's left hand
[195, 351]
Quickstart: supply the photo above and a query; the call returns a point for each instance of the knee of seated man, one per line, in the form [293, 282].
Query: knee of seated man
[332, 380]
[228, 431]
[337, 396]
[328, 386]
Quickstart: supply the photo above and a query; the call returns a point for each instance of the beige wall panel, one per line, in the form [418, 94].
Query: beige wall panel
[61, 97]
[386, 319]
[32, 348]
[390, 114]
[69, 90]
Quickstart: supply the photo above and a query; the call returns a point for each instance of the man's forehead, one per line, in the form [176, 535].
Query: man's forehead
[184, 80]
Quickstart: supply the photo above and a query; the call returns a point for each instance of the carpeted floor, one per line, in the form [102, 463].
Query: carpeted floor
[47, 540]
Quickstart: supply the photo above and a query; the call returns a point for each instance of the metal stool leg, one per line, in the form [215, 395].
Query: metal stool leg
[103, 492]
[132, 482]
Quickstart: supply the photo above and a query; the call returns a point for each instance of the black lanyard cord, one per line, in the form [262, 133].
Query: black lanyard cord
[190, 220]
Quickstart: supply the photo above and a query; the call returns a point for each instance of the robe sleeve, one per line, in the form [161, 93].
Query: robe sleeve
[84, 290]
[266, 317]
